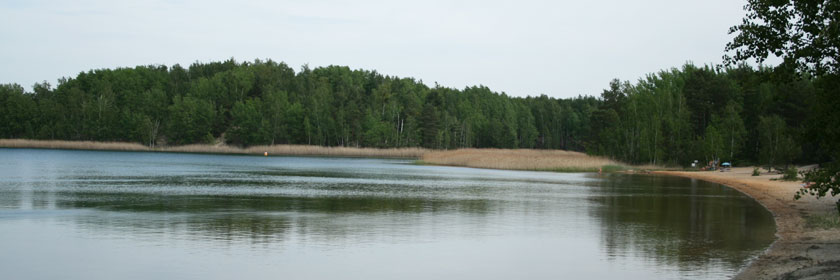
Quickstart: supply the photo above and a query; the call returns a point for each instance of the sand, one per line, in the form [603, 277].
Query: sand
[799, 252]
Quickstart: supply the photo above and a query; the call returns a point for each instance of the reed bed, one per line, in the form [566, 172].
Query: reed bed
[301, 150]
[518, 159]
[71, 145]
[521, 159]
[289, 150]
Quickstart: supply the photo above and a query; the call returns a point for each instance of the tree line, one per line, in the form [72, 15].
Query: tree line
[741, 114]
[265, 102]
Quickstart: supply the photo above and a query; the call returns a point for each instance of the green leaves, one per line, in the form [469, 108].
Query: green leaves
[17, 109]
[805, 33]
[777, 146]
[670, 117]
[248, 126]
[190, 120]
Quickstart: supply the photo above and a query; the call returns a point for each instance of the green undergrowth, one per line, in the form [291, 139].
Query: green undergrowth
[570, 169]
[604, 169]
[615, 168]
[823, 221]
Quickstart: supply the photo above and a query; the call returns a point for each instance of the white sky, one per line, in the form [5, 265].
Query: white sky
[558, 48]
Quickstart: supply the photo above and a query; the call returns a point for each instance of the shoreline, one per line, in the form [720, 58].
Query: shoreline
[488, 158]
[799, 252]
[272, 150]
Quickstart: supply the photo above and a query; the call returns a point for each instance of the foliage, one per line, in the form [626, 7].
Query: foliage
[822, 221]
[16, 112]
[614, 168]
[677, 116]
[806, 34]
[790, 174]
[248, 125]
[190, 120]
[777, 147]
[672, 117]
[826, 131]
[756, 172]
[822, 181]
[264, 102]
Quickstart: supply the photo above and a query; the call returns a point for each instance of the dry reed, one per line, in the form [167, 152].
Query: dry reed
[300, 150]
[520, 159]
[294, 150]
[71, 145]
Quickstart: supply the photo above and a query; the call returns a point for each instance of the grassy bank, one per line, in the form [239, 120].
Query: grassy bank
[289, 150]
[825, 221]
[522, 159]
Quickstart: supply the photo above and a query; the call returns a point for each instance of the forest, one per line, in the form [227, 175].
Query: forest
[739, 113]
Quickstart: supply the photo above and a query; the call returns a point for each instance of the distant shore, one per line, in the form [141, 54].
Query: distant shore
[510, 159]
[801, 250]
[273, 150]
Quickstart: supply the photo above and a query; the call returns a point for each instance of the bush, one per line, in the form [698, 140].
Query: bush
[209, 139]
[822, 221]
[756, 172]
[790, 174]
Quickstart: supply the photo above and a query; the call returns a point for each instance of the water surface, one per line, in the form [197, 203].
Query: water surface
[129, 215]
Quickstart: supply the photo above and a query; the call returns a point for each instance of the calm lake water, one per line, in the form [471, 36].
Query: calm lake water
[125, 215]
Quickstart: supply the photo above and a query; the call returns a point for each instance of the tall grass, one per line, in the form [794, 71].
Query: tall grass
[71, 145]
[294, 150]
[521, 159]
[822, 221]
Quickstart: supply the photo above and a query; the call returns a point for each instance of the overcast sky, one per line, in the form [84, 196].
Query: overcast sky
[557, 48]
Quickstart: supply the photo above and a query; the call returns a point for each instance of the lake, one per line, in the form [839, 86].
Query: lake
[134, 215]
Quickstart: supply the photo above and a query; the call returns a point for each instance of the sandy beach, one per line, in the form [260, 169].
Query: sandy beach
[800, 252]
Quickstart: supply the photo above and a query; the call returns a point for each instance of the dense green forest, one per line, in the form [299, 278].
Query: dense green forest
[672, 117]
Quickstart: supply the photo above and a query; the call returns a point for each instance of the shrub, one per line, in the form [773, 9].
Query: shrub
[822, 221]
[756, 172]
[790, 174]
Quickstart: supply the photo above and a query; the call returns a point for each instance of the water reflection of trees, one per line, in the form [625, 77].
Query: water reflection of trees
[13, 196]
[261, 219]
[678, 221]
[141, 202]
[658, 218]
[238, 207]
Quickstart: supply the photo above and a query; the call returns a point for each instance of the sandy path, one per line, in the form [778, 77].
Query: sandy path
[799, 252]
